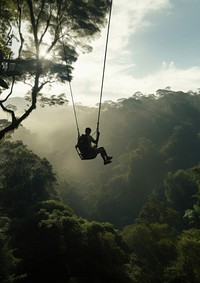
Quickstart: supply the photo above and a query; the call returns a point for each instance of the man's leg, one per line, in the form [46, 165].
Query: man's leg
[104, 155]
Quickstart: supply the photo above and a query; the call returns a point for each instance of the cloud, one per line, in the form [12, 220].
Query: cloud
[168, 75]
[127, 19]
[121, 83]
[130, 17]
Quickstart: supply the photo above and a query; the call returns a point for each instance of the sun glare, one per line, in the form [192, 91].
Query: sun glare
[45, 44]
[44, 54]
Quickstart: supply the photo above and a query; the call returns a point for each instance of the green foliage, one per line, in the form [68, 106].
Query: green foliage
[186, 266]
[7, 260]
[151, 184]
[157, 211]
[50, 241]
[105, 249]
[147, 137]
[152, 247]
[25, 179]
[180, 188]
[193, 214]
[56, 245]
[7, 14]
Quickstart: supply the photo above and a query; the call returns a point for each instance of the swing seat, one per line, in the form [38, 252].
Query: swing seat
[85, 156]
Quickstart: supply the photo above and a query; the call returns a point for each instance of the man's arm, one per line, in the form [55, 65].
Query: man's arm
[97, 139]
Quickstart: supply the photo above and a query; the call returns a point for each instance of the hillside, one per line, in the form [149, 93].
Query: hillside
[134, 220]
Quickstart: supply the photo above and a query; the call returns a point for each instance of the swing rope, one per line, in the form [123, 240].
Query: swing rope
[74, 109]
[70, 89]
[104, 67]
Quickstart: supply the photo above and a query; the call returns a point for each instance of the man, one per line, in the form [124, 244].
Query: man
[89, 151]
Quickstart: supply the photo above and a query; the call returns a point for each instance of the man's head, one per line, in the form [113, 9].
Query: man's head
[88, 131]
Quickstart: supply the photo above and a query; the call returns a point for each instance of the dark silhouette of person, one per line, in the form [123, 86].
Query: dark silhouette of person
[89, 151]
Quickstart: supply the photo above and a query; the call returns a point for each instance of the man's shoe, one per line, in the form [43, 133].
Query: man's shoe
[107, 162]
[109, 157]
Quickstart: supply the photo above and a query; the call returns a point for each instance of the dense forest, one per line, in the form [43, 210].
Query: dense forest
[135, 220]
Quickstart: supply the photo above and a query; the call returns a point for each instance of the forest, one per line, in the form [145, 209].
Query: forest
[65, 220]
[135, 220]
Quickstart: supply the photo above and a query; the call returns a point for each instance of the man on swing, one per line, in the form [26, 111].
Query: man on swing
[89, 151]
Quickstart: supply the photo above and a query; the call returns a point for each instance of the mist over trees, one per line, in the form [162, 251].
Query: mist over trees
[155, 143]
[136, 220]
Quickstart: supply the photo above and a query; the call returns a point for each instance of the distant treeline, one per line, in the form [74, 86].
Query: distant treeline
[155, 141]
[136, 220]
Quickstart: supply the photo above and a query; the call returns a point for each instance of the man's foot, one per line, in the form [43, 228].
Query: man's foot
[109, 157]
[107, 162]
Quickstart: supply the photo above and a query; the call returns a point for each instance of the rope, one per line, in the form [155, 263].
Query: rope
[104, 67]
[74, 109]
[71, 92]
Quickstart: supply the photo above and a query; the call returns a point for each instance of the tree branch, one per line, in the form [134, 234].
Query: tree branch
[58, 30]
[19, 29]
[40, 13]
[16, 121]
[47, 22]
[11, 90]
[34, 26]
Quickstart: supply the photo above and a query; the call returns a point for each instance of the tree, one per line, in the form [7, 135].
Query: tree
[25, 179]
[151, 248]
[180, 187]
[7, 260]
[50, 241]
[157, 211]
[181, 151]
[57, 246]
[47, 34]
[193, 214]
[186, 266]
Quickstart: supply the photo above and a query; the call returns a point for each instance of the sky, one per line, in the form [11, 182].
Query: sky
[153, 44]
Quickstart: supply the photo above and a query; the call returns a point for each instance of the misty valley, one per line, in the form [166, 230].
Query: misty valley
[131, 214]
[135, 220]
